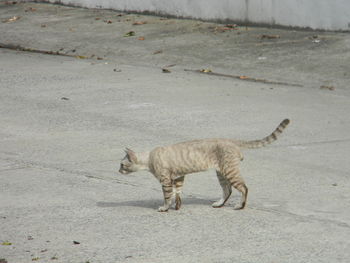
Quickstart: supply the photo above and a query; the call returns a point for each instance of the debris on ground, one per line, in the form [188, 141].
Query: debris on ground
[327, 87]
[165, 70]
[225, 28]
[138, 23]
[206, 70]
[2, 260]
[46, 52]
[12, 19]
[30, 9]
[264, 36]
[11, 2]
[157, 52]
[6, 243]
[242, 77]
[129, 34]
[76, 243]
[141, 38]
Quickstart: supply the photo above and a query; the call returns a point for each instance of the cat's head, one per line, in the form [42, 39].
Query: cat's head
[129, 163]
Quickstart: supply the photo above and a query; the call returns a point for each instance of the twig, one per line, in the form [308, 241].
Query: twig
[40, 51]
[251, 79]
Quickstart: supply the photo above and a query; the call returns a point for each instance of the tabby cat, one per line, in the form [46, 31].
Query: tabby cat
[170, 164]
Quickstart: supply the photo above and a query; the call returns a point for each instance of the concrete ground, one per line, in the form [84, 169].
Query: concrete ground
[65, 120]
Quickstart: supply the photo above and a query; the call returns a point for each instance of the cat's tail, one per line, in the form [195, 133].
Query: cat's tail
[267, 140]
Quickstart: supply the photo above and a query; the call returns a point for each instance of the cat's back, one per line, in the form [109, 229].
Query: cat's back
[192, 155]
[199, 145]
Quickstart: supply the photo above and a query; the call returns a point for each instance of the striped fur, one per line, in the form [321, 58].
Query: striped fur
[267, 140]
[170, 164]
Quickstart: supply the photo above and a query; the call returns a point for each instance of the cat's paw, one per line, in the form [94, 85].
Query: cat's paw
[177, 203]
[163, 209]
[218, 204]
[238, 207]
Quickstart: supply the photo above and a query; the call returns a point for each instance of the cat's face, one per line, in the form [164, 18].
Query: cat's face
[129, 163]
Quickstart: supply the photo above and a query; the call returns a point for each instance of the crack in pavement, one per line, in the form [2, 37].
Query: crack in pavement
[13, 168]
[301, 217]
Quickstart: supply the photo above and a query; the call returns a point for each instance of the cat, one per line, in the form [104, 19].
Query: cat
[170, 164]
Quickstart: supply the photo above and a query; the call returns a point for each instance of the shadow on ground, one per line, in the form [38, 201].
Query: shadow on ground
[153, 203]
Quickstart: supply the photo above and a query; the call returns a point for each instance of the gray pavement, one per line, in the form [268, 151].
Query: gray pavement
[64, 122]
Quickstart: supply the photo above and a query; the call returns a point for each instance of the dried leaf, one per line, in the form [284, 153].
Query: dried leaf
[12, 19]
[130, 34]
[165, 70]
[225, 28]
[327, 87]
[207, 70]
[6, 243]
[141, 38]
[138, 23]
[30, 9]
[157, 52]
[35, 259]
[243, 77]
[232, 26]
[269, 36]
[81, 57]
[108, 21]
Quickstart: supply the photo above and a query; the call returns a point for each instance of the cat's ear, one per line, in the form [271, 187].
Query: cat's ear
[131, 155]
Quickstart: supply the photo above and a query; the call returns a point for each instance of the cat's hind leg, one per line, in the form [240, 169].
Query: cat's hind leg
[226, 190]
[167, 188]
[232, 174]
[178, 183]
[238, 183]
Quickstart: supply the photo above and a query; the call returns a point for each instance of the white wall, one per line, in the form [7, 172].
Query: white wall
[315, 14]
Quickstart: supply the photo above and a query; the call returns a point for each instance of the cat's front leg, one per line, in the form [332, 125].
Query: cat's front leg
[167, 192]
[178, 183]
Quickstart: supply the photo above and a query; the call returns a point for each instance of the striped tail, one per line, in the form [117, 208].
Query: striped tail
[267, 140]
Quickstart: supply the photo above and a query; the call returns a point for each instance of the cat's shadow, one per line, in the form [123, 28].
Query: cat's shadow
[152, 203]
